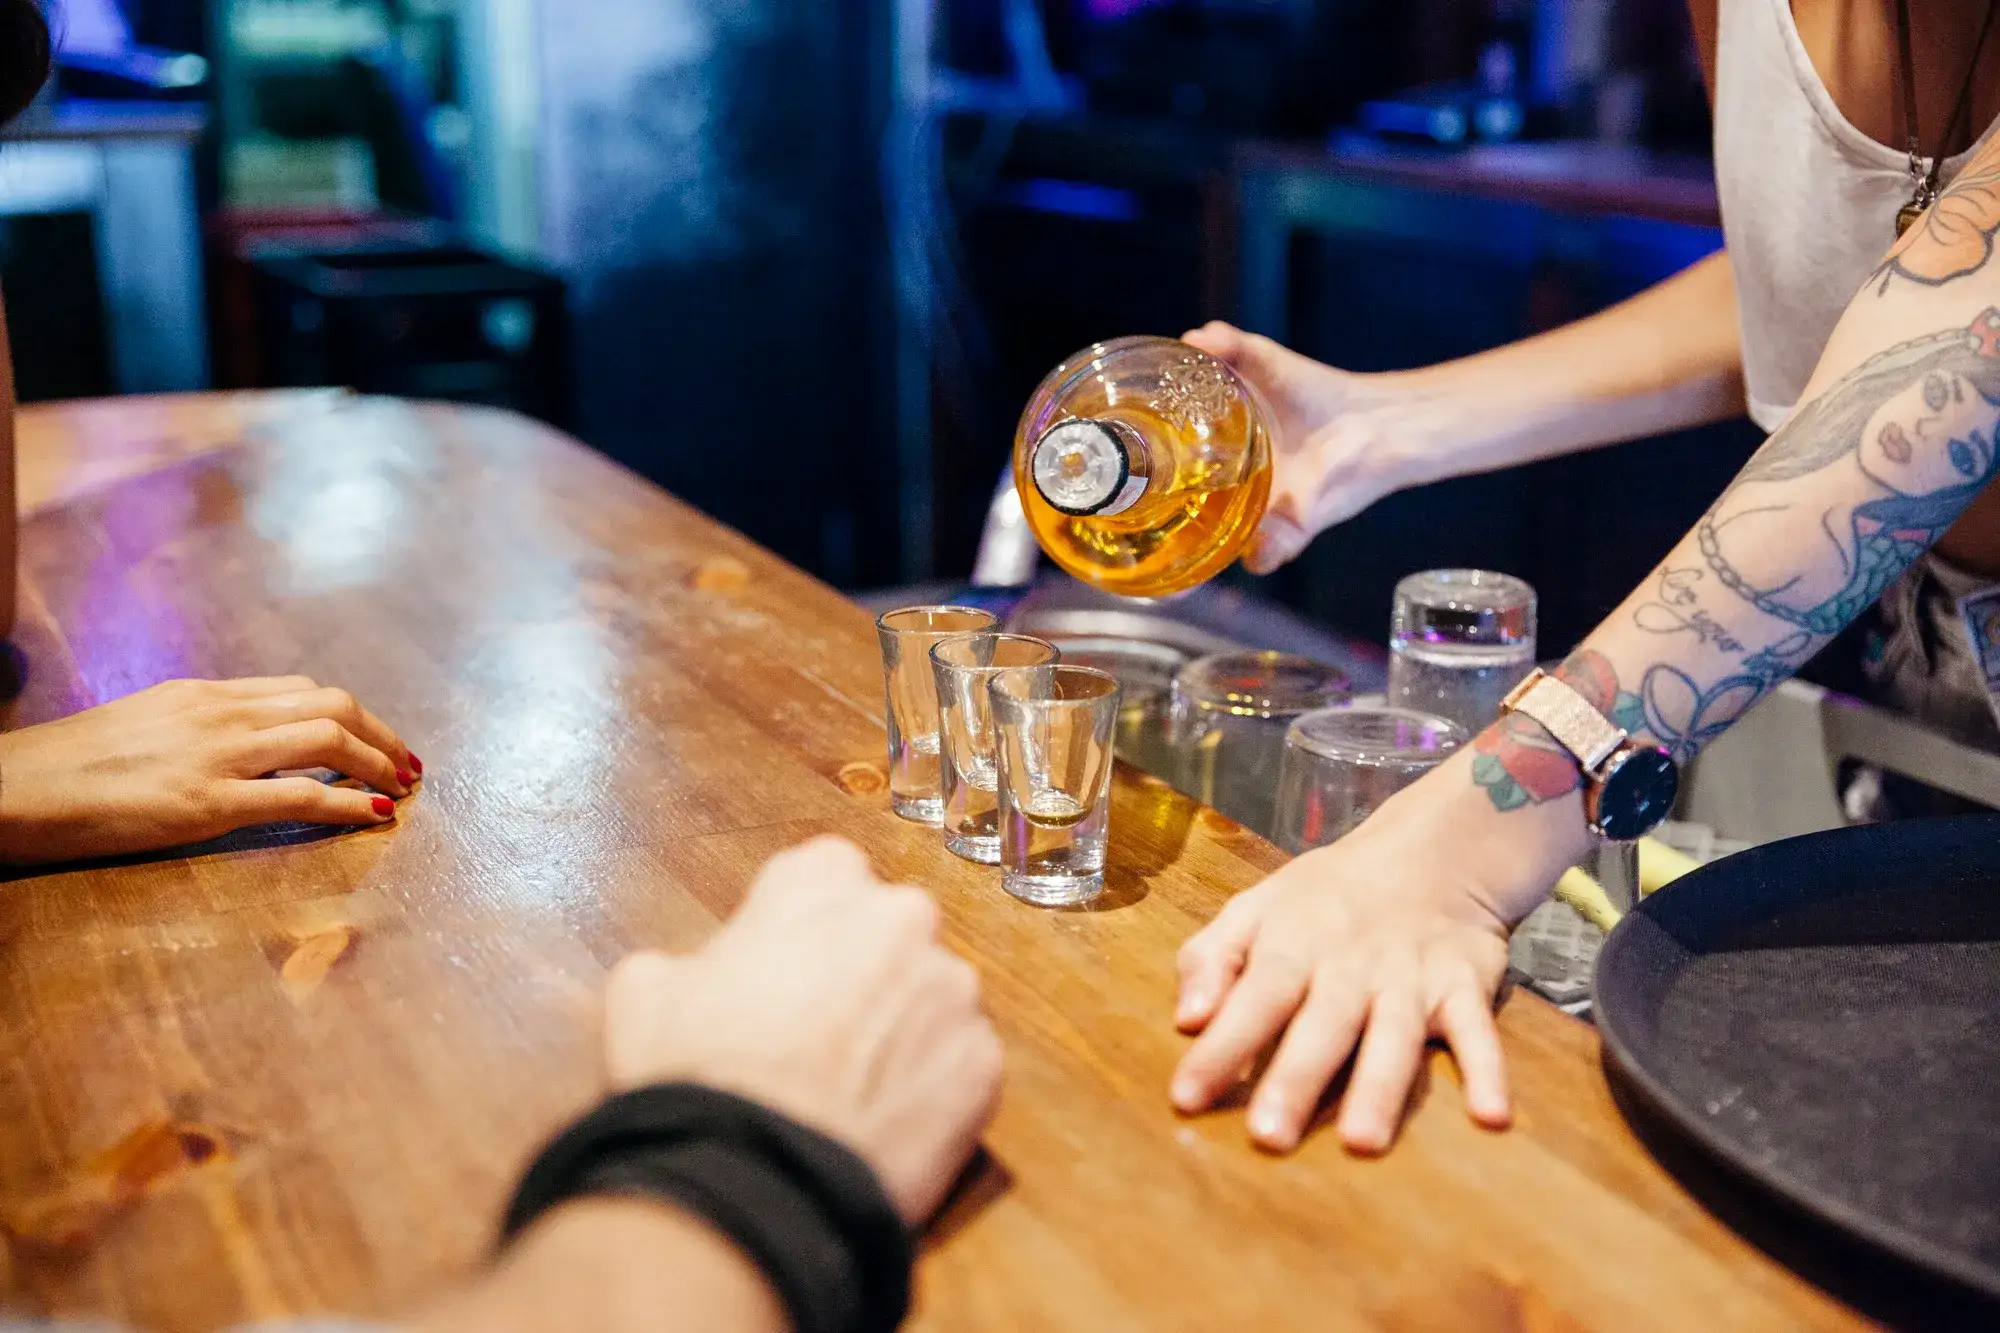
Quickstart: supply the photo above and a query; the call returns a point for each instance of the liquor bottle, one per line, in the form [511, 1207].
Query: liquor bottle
[1144, 465]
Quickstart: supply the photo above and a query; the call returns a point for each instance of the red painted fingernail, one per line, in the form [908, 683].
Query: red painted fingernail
[416, 764]
[403, 775]
[383, 806]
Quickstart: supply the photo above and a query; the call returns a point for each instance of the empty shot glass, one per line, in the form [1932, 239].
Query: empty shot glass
[1459, 639]
[907, 636]
[1053, 728]
[1340, 764]
[1229, 713]
[962, 665]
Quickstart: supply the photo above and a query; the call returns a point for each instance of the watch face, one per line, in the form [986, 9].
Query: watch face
[1637, 792]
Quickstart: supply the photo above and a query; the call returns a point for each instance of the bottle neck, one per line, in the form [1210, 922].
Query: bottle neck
[1091, 466]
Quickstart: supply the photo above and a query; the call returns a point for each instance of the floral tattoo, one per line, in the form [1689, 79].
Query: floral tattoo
[1519, 763]
[1954, 237]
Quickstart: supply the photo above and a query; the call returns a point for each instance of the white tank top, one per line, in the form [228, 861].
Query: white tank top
[1808, 201]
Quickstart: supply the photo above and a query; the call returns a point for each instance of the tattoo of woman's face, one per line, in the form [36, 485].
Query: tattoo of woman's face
[1910, 445]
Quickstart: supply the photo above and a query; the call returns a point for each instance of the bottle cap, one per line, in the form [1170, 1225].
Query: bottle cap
[1084, 466]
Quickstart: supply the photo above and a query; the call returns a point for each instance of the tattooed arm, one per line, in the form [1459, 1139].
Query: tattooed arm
[1397, 933]
[1893, 441]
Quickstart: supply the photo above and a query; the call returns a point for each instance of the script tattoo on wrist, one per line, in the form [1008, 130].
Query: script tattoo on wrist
[1519, 763]
[1954, 237]
[1675, 609]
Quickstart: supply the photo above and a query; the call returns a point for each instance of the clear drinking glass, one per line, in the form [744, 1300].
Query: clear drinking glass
[1053, 728]
[1459, 639]
[1229, 713]
[907, 636]
[962, 665]
[1145, 671]
[1340, 764]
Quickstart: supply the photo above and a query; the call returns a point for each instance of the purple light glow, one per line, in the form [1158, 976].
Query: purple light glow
[1106, 10]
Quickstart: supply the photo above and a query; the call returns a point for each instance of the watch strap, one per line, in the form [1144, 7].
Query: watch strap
[1569, 717]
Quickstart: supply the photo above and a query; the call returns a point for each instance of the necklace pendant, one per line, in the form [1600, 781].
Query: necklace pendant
[1922, 195]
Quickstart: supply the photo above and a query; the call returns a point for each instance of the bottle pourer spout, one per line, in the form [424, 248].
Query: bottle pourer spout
[1084, 466]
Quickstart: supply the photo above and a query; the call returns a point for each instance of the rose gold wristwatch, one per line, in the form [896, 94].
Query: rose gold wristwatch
[1628, 786]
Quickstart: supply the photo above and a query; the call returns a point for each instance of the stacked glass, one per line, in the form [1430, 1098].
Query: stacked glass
[1459, 639]
[1228, 718]
[1341, 764]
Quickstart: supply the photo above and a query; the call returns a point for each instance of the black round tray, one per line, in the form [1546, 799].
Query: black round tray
[1821, 1017]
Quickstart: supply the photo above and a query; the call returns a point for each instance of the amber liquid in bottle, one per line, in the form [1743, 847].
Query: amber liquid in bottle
[1197, 442]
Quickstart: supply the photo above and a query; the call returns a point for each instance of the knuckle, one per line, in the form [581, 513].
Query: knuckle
[309, 796]
[840, 855]
[198, 794]
[961, 981]
[340, 703]
[913, 909]
[1281, 967]
[322, 732]
[824, 852]
[210, 715]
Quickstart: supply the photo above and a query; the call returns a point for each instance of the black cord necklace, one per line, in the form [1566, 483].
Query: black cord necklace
[1923, 183]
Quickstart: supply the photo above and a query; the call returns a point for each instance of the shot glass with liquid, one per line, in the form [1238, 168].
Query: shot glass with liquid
[1053, 739]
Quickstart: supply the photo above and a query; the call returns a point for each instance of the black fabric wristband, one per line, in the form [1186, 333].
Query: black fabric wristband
[807, 1210]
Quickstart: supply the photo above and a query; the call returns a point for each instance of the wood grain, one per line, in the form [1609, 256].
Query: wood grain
[301, 1075]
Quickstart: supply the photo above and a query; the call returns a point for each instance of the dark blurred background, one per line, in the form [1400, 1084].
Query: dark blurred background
[802, 263]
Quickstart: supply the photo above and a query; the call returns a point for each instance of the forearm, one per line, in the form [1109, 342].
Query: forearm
[615, 1265]
[1897, 433]
[1666, 359]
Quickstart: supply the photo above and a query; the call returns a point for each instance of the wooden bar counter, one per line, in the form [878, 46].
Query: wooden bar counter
[295, 1073]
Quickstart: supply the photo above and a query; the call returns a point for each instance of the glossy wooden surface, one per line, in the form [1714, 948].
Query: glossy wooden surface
[294, 1077]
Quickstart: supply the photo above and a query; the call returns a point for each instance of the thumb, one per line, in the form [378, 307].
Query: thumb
[1252, 355]
[1219, 340]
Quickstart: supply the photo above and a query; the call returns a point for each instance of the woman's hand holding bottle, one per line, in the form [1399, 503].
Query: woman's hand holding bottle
[1343, 440]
